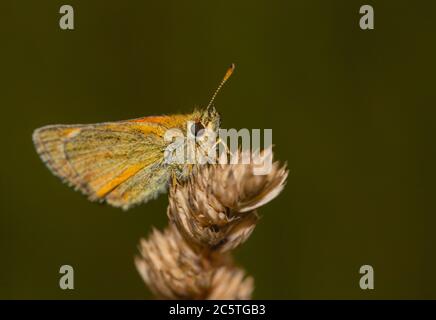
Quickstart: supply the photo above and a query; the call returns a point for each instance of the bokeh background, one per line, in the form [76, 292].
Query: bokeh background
[352, 113]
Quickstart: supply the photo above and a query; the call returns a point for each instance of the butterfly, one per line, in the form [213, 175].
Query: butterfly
[122, 162]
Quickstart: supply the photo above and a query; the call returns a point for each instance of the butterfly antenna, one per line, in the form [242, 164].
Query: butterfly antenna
[226, 76]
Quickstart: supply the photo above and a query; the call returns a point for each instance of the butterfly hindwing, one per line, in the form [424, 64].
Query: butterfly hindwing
[147, 184]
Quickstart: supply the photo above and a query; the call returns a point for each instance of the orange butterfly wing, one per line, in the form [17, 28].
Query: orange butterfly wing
[120, 162]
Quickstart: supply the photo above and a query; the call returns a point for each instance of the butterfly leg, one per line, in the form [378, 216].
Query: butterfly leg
[174, 180]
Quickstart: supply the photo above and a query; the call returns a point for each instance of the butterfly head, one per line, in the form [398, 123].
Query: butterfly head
[209, 119]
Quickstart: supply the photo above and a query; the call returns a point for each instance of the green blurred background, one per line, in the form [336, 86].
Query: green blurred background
[352, 113]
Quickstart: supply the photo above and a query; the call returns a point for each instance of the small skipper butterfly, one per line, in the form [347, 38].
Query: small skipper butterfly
[120, 162]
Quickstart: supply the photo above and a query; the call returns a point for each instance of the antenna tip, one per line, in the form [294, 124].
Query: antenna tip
[229, 71]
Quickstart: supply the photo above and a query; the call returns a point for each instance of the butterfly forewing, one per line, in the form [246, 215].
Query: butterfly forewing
[120, 162]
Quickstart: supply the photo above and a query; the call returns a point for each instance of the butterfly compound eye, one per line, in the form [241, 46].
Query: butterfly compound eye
[197, 129]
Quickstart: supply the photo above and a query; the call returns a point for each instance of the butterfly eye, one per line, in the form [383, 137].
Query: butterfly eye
[197, 129]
